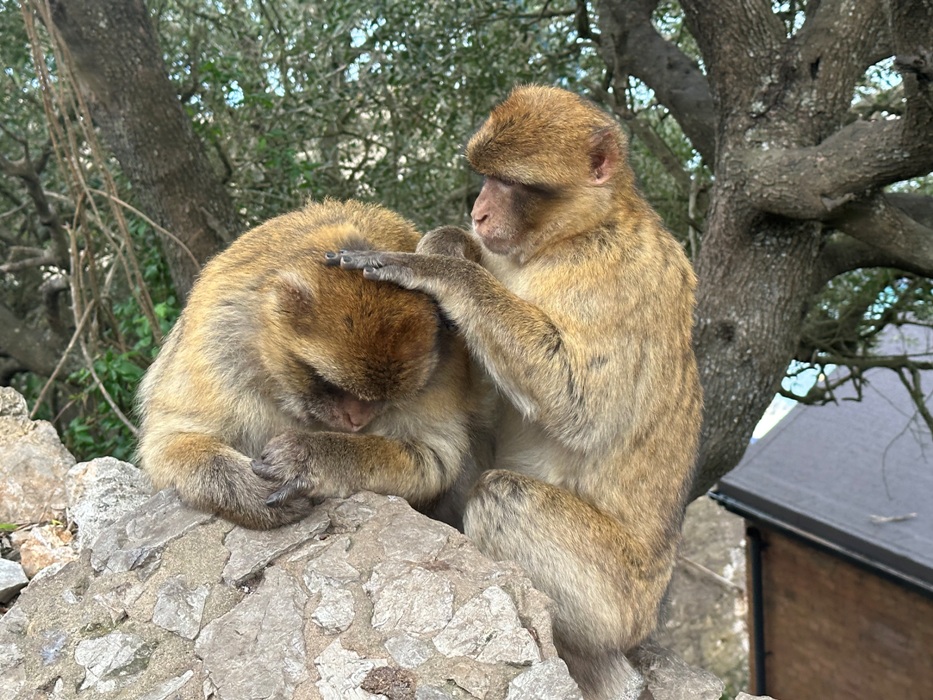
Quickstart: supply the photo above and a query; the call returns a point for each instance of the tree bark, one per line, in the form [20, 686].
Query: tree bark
[791, 180]
[116, 59]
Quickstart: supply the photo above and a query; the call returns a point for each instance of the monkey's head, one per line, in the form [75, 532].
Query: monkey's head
[342, 349]
[553, 162]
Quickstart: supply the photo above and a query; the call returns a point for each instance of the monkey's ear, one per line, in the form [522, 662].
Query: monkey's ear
[604, 155]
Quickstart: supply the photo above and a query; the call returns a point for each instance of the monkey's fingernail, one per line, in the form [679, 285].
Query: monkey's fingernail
[279, 497]
[368, 269]
[330, 255]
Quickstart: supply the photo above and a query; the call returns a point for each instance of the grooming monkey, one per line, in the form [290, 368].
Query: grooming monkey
[579, 305]
[283, 382]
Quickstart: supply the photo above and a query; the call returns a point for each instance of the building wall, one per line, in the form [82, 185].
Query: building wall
[836, 631]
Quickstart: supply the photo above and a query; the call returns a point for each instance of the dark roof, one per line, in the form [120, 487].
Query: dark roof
[824, 471]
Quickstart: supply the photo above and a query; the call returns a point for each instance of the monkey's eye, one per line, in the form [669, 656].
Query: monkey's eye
[315, 379]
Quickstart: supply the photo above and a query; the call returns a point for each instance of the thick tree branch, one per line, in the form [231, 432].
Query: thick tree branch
[30, 348]
[27, 172]
[740, 42]
[866, 39]
[897, 239]
[812, 182]
[631, 45]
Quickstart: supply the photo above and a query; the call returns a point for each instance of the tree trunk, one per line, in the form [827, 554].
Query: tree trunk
[790, 168]
[118, 64]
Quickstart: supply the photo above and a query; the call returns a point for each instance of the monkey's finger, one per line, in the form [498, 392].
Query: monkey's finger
[331, 259]
[401, 275]
[266, 471]
[283, 495]
[360, 261]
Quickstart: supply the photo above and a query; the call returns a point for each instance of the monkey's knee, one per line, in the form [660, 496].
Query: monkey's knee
[495, 513]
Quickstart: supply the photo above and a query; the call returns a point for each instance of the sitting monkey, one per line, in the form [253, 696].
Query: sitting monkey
[579, 305]
[283, 382]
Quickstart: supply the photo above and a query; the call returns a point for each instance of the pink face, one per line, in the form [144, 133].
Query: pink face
[497, 215]
[350, 414]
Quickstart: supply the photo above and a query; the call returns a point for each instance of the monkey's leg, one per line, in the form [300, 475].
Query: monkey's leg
[210, 475]
[606, 588]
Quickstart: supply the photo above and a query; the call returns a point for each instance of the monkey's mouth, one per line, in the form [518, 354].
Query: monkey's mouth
[351, 415]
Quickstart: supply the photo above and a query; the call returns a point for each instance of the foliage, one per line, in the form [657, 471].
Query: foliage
[338, 98]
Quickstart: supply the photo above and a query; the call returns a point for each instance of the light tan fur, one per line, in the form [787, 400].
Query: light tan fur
[283, 382]
[581, 312]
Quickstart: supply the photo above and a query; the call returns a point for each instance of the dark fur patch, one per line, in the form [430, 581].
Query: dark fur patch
[355, 242]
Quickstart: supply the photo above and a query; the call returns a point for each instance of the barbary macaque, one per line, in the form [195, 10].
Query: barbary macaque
[283, 383]
[579, 304]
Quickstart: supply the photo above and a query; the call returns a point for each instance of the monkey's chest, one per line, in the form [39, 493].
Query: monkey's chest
[523, 447]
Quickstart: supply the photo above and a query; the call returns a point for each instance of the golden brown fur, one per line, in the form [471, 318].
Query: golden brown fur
[581, 312]
[283, 382]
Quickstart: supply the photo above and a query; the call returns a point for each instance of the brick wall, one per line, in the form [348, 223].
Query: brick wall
[836, 631]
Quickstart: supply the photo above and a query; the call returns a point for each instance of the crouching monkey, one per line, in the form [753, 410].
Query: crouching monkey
[579, 305]
[283, 382]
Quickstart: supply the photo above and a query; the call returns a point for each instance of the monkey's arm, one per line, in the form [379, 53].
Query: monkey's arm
[326, 464]
[212, 476]
[451, 241]
[521, 346]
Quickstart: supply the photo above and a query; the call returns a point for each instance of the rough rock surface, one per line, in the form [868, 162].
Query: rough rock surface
[365, 598]
[42, 546]
[33, 463]
[12, 579]
[704, 622]
[102, 491]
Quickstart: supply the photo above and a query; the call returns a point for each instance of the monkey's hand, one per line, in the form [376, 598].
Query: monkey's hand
[431, 274]
[379, 266]
[450, 241]
[290, 460]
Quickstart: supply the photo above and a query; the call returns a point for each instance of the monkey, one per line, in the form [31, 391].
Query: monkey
[579, 304]
[282, 384]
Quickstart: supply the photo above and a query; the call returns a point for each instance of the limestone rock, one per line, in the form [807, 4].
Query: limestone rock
[668, 677]
[43, 546]
[102, 491]
[12, 579]
[365, 598]
[33, 463]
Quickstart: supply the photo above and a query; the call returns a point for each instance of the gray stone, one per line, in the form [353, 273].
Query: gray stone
[33, 463]
[169, 688]
[336, 610]
[312, 611]
[545, 681]
[12, 404]
[102, 491]
[179, 607]
[488, 629]
[113, 661]
[12, 670]
[342, 671]
[250, 550]
[408, 651]
[410, 599]
[668, 677]
[136, 541]
[332, 562]
[258, 648]
[12, 579]
[411, 536]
